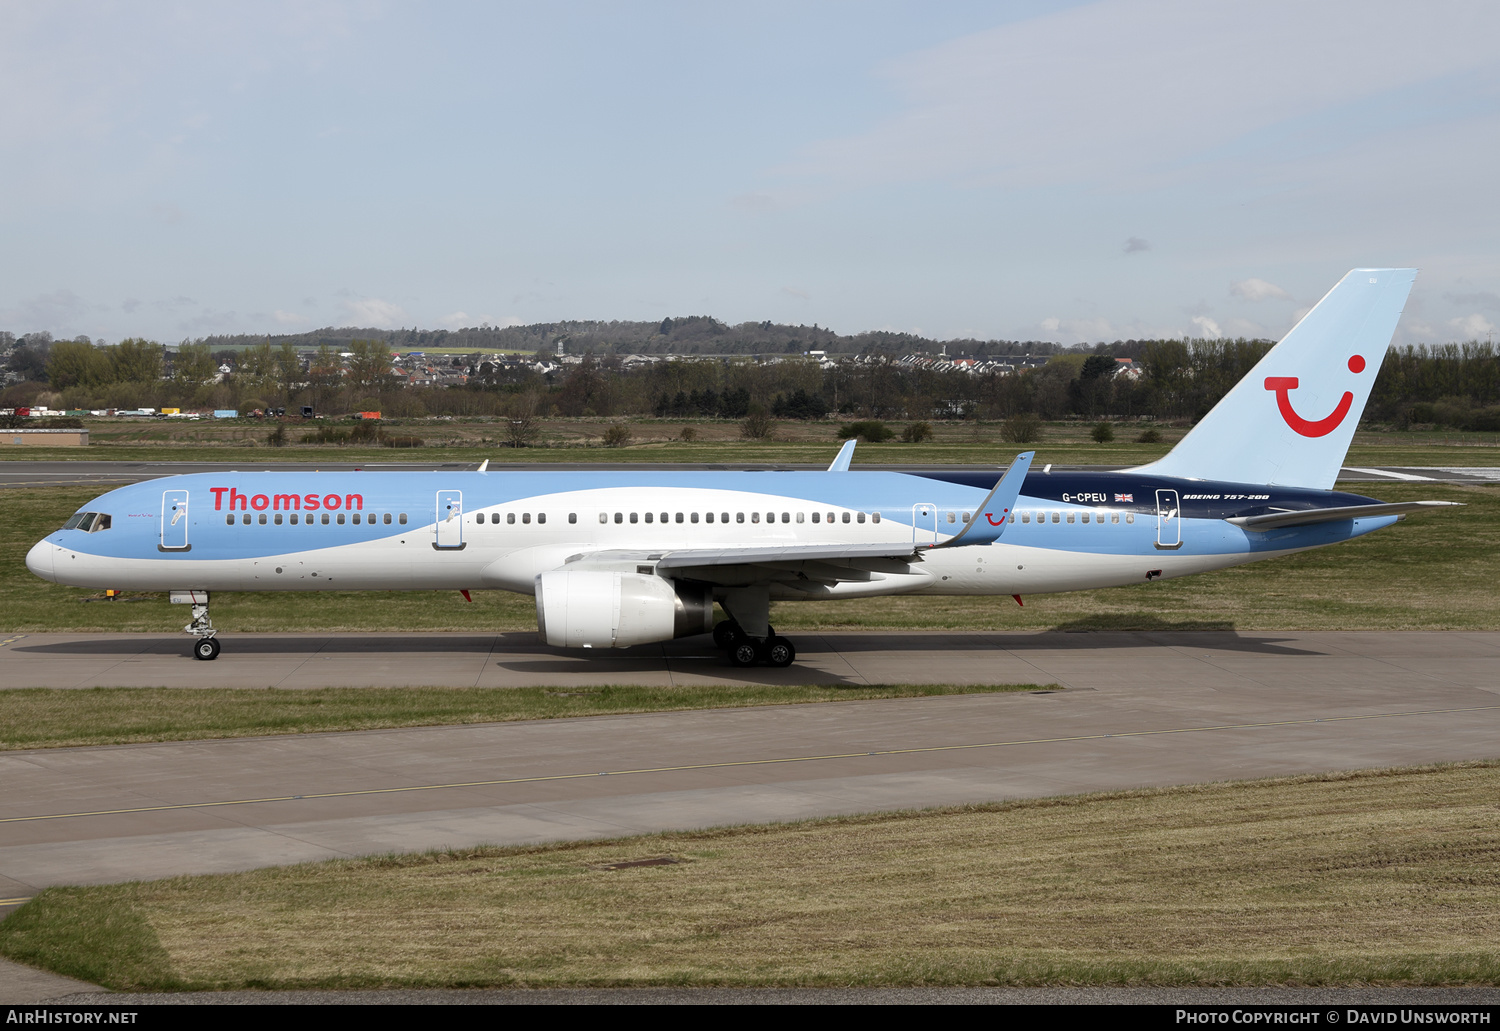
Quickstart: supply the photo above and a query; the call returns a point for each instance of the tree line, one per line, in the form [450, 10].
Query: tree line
[1455, 385]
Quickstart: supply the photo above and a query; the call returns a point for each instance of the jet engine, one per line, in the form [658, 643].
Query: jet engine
[600, 609]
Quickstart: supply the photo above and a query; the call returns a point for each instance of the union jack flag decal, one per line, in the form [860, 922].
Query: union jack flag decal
[1125, 497]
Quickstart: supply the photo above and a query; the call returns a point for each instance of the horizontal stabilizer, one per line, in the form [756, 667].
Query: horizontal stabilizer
[1277, 520]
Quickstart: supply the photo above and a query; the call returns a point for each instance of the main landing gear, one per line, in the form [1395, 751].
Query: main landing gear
[749, 651]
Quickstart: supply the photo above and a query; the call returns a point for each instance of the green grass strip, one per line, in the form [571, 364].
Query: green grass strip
[53, 718]
[1373, 877]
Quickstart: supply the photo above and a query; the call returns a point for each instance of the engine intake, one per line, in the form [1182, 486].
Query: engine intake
[597, 609]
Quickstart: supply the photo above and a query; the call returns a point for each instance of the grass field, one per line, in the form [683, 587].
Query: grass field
[1430, 572]
[1378, 877]
[717, 441]
[47, 718]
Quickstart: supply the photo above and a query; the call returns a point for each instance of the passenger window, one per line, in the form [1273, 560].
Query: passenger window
[541, 517]
[786, 517]
[723, 517]
[356, 519]
[708, 517]
[263, 519]
[1070, 517]
[1114, 517]
[846, 517]
[1130, 517]
[799, 517]
[572, 517]
[604, 517]
[952, 517]
[388, 518]
[403, 519]
[831, 517]
[619, 517]
[875, 517]
[860, 517]
[1085, 517]
[1025, 517]
[245, 519]
[648, 517]
[739, 517]
[817, 516]
[294, 519]
[278, 518]
[693, 518]
[635, 517]
[755, 517]
[341, 518]
[1012, 518]
[665, 519]
[526, 518]
[966, 517]
[229, 519]
[679, 517]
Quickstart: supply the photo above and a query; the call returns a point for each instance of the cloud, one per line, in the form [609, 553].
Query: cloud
[1480, 298]
[129, 305]
[1135, 245]
[1472, 327]
[1078, 330]
[372, 311]
[753, 202]
[1098, 90]
[1206, 326]
[54, 312]
[455, 321]
[287, 318]
[167, 214]
[1257, 290]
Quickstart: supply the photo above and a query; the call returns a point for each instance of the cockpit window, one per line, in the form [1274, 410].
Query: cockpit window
[88, 522]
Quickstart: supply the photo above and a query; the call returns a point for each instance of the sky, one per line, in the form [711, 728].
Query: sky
[1070, 172]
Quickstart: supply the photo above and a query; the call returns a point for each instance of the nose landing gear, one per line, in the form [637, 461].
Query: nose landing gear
[206, 646]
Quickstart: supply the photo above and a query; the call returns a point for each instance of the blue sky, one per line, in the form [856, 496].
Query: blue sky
[1031, 171]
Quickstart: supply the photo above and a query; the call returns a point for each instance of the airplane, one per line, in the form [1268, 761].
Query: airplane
[616, 559]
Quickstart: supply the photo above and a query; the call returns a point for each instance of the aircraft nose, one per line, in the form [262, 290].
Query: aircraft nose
[39, 559]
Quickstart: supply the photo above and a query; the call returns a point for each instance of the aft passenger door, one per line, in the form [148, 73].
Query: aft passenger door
[450, 520]
[174, 521]
[1168, 521]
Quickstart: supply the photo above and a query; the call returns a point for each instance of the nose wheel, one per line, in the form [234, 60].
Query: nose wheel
[206, 647]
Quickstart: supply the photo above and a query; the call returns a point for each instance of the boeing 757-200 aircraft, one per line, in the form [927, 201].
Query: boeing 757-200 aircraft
[616, 559]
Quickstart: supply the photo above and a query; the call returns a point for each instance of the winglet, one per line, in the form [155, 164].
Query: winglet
[845, 456]
[991, 519]
[483, 466]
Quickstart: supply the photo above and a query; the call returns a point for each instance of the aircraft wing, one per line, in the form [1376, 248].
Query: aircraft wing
[807, 563]
[1277, 520]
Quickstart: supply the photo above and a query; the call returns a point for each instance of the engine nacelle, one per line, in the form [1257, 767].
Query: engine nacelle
[597, 609]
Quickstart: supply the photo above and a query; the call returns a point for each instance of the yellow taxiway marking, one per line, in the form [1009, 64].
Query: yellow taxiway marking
[15, 902]
[746, 762]
[12, 640]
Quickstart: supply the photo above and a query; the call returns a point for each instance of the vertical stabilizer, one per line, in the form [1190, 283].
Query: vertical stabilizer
[1289, 422]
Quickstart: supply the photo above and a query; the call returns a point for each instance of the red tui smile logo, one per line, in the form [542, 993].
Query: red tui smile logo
[1309, 427]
